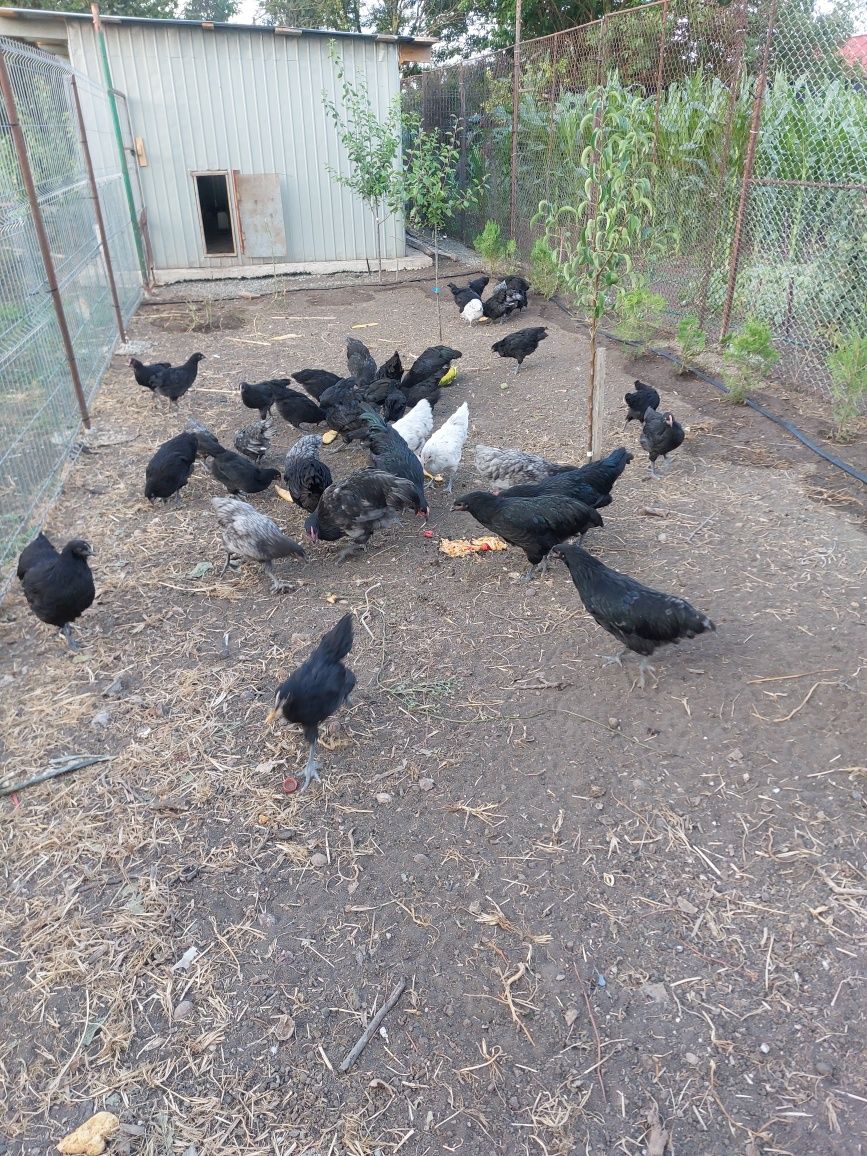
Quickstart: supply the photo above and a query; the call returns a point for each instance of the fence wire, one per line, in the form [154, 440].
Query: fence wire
[40, 415]
[798, 259]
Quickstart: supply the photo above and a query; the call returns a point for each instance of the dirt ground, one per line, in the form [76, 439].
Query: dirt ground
[628, 921]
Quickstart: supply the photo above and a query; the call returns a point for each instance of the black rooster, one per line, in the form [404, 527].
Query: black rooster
[520, 344]
[365, 501]
[172, 382]
[359, 361]
[641, 618]
[318, 688]
[535, 524]
[58, 586]
[660, 435]
[478, 284]
[392, 369]
[169, 469]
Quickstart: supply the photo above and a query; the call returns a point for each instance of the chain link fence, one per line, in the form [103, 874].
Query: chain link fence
[777, 232]
[69, 276]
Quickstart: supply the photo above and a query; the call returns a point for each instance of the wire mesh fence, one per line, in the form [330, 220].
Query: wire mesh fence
[777, 233]
[61, 310]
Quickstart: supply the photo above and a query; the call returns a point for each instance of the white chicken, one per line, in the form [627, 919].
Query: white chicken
[416, 426]
[442, 451]
[473, 311]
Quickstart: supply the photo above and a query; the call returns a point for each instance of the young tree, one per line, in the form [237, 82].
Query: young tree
[338, 15]
[431, 189]
[372, 147]
[217, 10]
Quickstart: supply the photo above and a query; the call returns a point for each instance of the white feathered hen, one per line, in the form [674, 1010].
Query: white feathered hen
[416, 426]
[442, 451]
[473, 311]
[249, 534]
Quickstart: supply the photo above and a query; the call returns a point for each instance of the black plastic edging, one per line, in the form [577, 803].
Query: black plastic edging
[799, 435]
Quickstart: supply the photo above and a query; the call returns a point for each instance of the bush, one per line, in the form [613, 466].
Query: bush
[638, 315]
[544, 269]
[847, 364]
[749, 356]
[500, 256]
[691, 342]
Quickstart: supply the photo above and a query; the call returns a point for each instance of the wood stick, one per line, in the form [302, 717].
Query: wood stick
[62, 768]
[370, 1030]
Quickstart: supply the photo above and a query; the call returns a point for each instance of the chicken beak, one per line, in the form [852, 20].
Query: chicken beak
[427, 475]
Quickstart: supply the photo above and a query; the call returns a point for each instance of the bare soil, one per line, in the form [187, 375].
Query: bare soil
[628, 920]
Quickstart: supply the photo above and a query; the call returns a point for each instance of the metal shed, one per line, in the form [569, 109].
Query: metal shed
[228, 141]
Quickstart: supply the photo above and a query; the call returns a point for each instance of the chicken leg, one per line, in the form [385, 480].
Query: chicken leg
[278, 585]
[70, 641]
[311, 770]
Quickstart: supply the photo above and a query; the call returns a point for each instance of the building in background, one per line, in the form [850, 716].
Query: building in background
[227, 140]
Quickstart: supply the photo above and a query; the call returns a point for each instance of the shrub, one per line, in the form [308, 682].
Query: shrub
[691, 342]
[500, 256]
[847, 364]
[544, 269]
[638, 316]
[749, 356]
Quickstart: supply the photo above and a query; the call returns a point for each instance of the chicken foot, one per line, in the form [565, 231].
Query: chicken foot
[278, 585]
[643, 668]
[66, 631]
[311, 770]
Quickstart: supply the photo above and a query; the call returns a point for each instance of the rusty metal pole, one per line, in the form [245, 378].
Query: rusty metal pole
[462, 158]
[20, 146]
[660, 75]
[755, 125]
[97, 208]
[516, 116]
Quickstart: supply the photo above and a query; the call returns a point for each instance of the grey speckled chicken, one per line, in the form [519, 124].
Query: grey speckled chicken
[207, 443]
[251, 535]
[254, 440]
[512, 467]
[306, 476]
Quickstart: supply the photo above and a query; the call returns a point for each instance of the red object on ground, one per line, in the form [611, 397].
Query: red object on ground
[428, 533]
[290, 785]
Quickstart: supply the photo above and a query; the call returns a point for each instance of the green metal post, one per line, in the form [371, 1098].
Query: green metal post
[118, 135]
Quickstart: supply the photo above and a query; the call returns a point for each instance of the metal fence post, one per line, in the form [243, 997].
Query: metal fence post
[660, 75]
[755, 125]
[516, 116]
[41, 235]
[97, 207]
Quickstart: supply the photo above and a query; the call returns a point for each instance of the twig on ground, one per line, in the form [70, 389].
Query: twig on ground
[59, 767]
[372, 1027]
[596, 1035]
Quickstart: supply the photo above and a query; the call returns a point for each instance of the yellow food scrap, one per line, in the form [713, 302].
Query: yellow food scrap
[284, 494]
[90, 1138]
[449, 376]
[329, 436]
[461, 547]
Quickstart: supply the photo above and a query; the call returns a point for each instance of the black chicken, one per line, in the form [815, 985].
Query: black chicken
[318, 688]
[306, 476]
[462, 296]
[239, 475]
[206, 442]
[390, 454]
[433, 362]
[639, 400]
[360, 361]
[315, 381]
[262, 394]
[58, 586]
[591, 484]
[478, 284]
[169, 469]
[534, 524]
[429, 390]
[367, 500]
[343, 405]
[520, 344]
[392, 369]
[297, 409]
[145, 374]
[639, 617]
[500, 304]
[395, 404]
[173, 382]
[378, 390]
[660, 435]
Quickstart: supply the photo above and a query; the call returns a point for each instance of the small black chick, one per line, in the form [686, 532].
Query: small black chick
[660, 435]
[591, 484]
[306, 476]
[239, 475]
[365, 501]
[169, 469]
[206, 442]
[318, 688]
[390, 454]
[534, 524]
[478, 284]
[315, 381]
[638, 616]
[520, 344]
[58, 586]
[260, 395]
[639, 400]
[173, 382]
[433, 361]
[298, 409]
[392, 368]
[360, 361]
[145, 374]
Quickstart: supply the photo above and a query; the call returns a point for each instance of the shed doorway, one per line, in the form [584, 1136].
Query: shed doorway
[212, 192]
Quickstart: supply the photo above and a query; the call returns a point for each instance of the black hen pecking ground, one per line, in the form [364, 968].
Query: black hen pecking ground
[169, 469]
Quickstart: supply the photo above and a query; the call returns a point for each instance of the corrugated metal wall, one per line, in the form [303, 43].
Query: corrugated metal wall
[248, 101]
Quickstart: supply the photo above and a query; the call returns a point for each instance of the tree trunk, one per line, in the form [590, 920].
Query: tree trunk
[378, 244]
[437, 284]
[594, 324]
